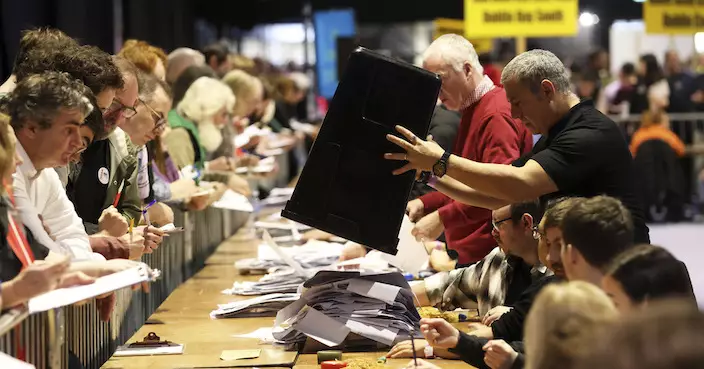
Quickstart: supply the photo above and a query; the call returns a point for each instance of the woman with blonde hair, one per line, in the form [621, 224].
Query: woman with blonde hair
[249, 94]
[204, 110]
[196, 132]
[565, 320]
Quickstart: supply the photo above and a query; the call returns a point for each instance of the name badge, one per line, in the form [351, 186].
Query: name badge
[103, 175]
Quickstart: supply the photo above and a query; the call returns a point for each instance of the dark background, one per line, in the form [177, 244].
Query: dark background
[171, 23]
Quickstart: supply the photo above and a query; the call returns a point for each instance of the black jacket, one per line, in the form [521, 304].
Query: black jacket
[469, 349]
[510, 326]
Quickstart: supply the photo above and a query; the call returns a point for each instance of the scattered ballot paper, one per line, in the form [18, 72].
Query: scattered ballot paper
[264, 335]
[231, 200]
[113, 282]
[228, 355]
[412, 255]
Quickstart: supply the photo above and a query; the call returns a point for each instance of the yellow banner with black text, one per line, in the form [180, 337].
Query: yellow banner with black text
[445, 26]
[673, 16]
[520, 18]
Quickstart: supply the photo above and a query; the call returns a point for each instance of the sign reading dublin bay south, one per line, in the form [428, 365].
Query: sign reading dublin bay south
[674, 16]
[520, 18]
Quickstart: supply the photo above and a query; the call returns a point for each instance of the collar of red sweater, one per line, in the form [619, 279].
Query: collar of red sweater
[482, 88]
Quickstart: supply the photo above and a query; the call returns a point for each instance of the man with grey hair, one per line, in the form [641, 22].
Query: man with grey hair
[582, 153]
[180, 59]
[486, 134]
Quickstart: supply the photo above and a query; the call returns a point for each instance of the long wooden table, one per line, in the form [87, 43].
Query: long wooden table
[184, 318]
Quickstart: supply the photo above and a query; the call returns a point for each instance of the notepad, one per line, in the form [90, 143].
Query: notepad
[231, 200]
[113, 282]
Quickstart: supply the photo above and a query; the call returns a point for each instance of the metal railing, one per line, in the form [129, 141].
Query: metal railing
[55, 338]
[76, 332]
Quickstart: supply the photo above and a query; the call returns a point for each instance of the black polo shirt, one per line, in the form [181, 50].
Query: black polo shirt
[586, 155]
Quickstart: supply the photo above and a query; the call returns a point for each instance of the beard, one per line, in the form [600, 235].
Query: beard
[210, 135]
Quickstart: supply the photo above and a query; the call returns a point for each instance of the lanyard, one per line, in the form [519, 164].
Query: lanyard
[16, 237]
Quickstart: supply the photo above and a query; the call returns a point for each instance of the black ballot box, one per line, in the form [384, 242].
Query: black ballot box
[346, 186]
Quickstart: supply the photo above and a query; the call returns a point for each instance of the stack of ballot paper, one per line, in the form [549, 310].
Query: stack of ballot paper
[313, 254]
[231, 200]
[339, 308]
[281, 280]
[267, 305]
[264, 166]
[278, 197]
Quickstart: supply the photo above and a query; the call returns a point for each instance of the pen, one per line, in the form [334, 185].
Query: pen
[131, 228]
[413, 347]
[145, 214]
[119, 193]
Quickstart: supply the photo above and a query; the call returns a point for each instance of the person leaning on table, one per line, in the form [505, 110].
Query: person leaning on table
[581, 153]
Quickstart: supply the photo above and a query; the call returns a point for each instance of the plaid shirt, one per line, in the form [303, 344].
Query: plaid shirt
[483, 284]
[482, 88]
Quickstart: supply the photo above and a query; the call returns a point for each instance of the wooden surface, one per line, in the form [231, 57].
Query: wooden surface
[184, 318]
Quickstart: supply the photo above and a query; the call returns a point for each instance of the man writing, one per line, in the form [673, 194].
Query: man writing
[581, 152]
[497, 284]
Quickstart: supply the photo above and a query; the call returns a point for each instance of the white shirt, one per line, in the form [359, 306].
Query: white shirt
[42, 193]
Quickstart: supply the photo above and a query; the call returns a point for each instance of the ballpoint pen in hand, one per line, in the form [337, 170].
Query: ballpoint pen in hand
[131, 228]
[413, 347]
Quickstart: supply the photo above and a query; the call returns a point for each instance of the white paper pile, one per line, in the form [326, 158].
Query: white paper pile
[231, 200]
[264, 166]
[267, 305]
[284, 280]
[280, 280]
[314, 254]
[377, 307]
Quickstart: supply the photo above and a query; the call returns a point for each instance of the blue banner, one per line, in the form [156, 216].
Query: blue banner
[329, 25]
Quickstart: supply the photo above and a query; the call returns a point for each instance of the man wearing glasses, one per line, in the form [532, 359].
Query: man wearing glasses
[501, 279]
[148, 123]
[103, 187]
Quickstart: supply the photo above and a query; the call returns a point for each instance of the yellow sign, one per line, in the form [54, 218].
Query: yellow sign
[520, 18]
[444, 26]
[674, 16]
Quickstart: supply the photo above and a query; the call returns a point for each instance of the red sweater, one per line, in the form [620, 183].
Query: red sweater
[487, 134]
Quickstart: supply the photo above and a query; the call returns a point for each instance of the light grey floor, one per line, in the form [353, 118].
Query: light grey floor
[686, 242]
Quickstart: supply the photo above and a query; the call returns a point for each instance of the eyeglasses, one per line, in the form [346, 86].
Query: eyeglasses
[117, 107]
[159, 118]
[497, 223]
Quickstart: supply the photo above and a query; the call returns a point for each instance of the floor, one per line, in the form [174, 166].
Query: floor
[686, 242]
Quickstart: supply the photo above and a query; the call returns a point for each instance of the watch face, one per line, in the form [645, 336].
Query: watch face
[439, 169]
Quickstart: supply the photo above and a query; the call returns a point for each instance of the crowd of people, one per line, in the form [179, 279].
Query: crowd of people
[96, 149]
[574, 266]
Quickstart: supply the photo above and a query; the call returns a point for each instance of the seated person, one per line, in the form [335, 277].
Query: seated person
[643, 274]
[666, 335]
[594, 232]
[510, 326]
[41, 147]
[501, 277]
[196, 125]
[565, 320]
[22, 266]
[147, 58]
